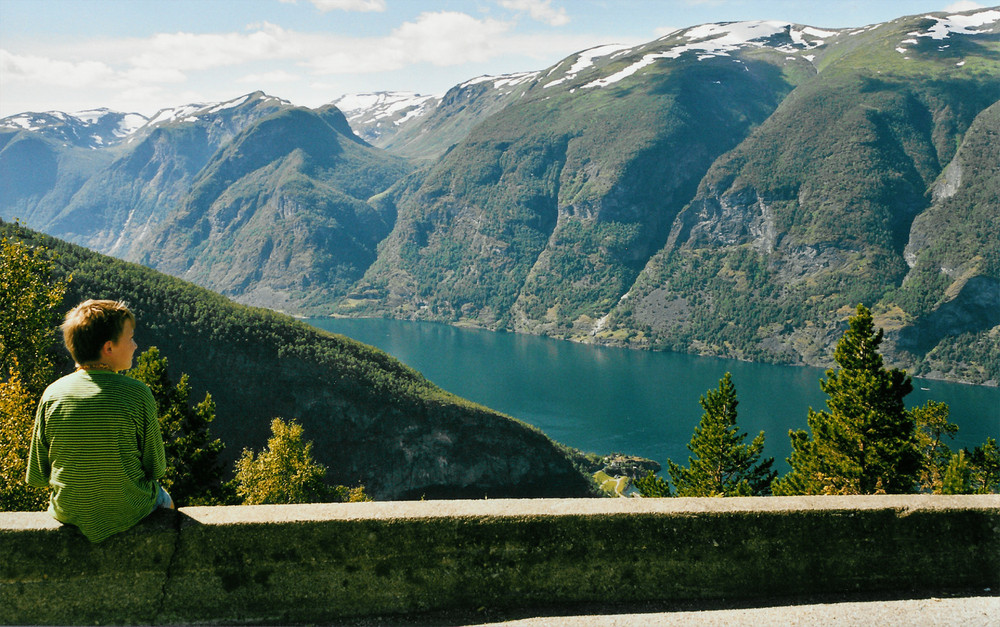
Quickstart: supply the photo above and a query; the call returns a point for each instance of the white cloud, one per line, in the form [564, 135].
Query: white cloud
[963, 5]
[53, 71]
[189, 51]
[441, 39]
[360, 6]
[159, 69]
[277, 76]
[540, 10]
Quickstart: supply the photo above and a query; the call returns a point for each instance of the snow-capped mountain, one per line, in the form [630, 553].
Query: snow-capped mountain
[376, 115]
[103, 128]
[197, 111]
[96, 128]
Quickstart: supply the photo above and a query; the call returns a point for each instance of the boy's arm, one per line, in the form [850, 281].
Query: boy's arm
[154, 459]
[38, 455]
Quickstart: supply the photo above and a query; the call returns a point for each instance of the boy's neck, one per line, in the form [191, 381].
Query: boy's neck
[95, 366]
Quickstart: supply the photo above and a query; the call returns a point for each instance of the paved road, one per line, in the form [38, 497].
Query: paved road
[965, 611]
[968, 609]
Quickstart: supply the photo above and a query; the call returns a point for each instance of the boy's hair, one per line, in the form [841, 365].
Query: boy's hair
[92, 323]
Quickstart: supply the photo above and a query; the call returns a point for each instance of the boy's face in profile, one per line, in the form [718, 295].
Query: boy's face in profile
[118, 353]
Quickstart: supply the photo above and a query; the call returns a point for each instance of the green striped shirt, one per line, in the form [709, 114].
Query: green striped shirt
[97, 444]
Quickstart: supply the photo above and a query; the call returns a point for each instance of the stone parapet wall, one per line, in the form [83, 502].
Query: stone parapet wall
[318, 563]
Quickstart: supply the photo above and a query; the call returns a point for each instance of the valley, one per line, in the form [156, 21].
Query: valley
[728, 190]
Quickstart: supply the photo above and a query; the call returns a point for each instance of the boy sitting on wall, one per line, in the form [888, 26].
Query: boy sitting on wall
[97, 441]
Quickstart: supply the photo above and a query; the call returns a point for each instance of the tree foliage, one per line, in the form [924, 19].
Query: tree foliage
[957, 476]
[652, 486]
[933, 427]
[29, 312]
[723, 464]
[285, 472]
[866, 443]
[194, 470]
[16, 419]
[985, 467]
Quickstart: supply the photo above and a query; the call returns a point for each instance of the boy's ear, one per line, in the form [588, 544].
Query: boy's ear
[107, 349]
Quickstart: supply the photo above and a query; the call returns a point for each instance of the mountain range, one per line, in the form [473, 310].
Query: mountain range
[729, 189]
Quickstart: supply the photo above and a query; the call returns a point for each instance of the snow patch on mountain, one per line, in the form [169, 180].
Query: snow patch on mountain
[176, 114]
[585, 60]
[396, 107]
[195, 111]
[502, 81]
[944, 27]
[714, 40]
[93, 128]
[958, 24]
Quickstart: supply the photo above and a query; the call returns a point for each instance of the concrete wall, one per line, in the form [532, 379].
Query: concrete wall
[316, 563]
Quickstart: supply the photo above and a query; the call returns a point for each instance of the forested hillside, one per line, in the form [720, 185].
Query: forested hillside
[728, 189]
[373, 420]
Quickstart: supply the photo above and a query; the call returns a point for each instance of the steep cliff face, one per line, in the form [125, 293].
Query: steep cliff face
[952, 289]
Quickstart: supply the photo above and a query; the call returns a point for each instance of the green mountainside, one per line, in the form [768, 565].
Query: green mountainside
[736, 205]
[279, 216]
[815, 209]
[729, 189]
[108, 196]
[543, 216]
[373, 420]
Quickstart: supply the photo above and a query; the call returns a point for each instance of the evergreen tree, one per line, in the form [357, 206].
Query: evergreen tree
[985, 465]
[723, 465]
[866, 442]
[652, 486]
[194, 470]
[958, 476]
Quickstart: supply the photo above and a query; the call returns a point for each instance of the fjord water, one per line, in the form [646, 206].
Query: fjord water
[603, 400]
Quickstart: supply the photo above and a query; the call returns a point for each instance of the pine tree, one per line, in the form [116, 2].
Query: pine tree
[652, 486]
[866, 442]
[723, 465]
[194, 470]
[984, 461]
[958, 476]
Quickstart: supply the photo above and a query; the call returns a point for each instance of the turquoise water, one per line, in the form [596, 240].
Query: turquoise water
[606, 400]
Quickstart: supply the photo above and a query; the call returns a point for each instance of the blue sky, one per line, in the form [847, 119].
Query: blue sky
[144, 55]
